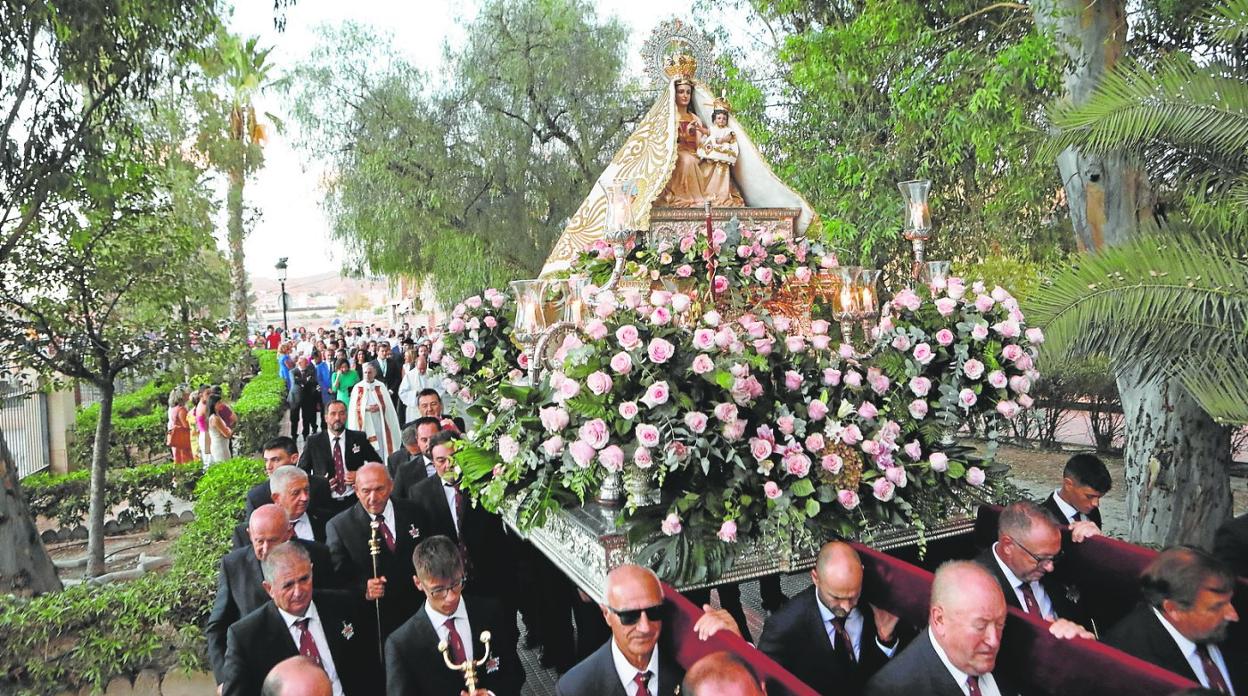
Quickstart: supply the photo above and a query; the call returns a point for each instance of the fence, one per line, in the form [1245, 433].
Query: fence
[24, 422]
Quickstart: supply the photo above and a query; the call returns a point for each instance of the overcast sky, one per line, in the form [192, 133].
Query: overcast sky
[292, 223]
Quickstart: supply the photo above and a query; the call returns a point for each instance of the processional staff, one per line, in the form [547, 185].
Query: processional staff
[374, 550]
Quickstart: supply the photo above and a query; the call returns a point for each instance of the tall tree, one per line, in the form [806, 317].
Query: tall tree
[65, 69]
[233, 138]
[472, 179]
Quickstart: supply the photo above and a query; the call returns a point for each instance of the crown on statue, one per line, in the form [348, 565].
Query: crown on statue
[721, 103]
[682, 65]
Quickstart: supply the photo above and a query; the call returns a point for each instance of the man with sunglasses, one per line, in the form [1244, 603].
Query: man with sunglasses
[414, 665]
[1028, 546]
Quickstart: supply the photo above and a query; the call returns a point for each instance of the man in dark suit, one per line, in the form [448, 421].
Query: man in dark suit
[336, 454]
[415, 667]
[1230, 544]
[411, 463]
[488, 550]
[957, 652]
[824, 636]
[282, 451]
[1027, 549]
[290, 490]
[635, 611]
[1085, 480]
[239, 581]
[321, 626]
[1183, 620]
[400, 528]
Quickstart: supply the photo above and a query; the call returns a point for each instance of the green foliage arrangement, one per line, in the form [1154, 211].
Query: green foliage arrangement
[89, 634]
[66, 497]
[139, 420]
[261, 405]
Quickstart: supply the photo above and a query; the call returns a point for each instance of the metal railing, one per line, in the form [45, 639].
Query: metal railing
[24, 422]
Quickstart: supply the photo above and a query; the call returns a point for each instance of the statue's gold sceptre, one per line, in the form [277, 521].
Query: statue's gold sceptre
[374, 550]
[469, 667]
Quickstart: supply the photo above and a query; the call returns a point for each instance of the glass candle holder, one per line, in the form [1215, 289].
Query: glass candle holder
[530, 318]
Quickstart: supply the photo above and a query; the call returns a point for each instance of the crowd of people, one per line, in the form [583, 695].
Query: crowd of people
[200, 425]
[362, 568]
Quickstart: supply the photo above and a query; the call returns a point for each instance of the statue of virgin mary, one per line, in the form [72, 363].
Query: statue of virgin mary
[661, 156]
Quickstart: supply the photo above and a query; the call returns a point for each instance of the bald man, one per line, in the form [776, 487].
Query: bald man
[824, 635]
[297, 676]
[955, 656]
[399, 529]
[239, 581]
[722, 674]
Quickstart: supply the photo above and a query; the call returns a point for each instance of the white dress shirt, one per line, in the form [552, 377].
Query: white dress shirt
[1067, 509]
[854, 624]
[1042, 597]
[627, 672]
[303, 528]
[462, 627]
[317, 629]
[388, 515]
[987, 685]
[1188, 648]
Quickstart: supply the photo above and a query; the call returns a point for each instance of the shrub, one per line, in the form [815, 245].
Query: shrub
[90, 634]
[66, 497]
[260, 406]
[139, 420]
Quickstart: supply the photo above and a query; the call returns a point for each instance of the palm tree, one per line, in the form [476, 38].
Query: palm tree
[1170, 307]
[234, 142]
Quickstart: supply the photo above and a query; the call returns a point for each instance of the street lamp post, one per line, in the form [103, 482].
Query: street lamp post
[281, 278]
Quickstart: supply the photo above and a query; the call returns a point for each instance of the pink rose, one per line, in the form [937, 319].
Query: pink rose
[621, 363]
[772, 490]
[582, 453]
[831, 377]
[702, 364]
[671, 524]
[720, 284]
[763, 346]
[569, 388]
[913, 450]
[802, 274]
[595, 432]
[847, 498]
[660, 351]
[882, 489]
[879, 383]
[554, 419]
[975, 476]
[967, 398]
[681, 303]
[763, 275]
[711, 318]
[469, 349]
[1009, 409]
[946, 306]
[727, 531]
[797, 464]
[490, 322]
[642, 458]
[660, 316]
[973, 369]
[918, 409]
[552, 446]
[923, 354]
[1035, 335]
[819, 327]
[1007, 329]
[628, 336]
[508, 448]
[1024, 401]
[455, 326]
[997, 379]
[760, 448]
[979, 332]
[851, 435]
[725, 337]
[820, 343]
[815, 442]
[901, 342]
[719, 236]
[871, 447]
[474, 301]
[832, 463]
[725, 412]
[611, 458]
[660, 298]
[896, 475]
[684, 271]
[733, 431]
[944, 337]
[816, 410]
[795, 343]
[907, 299]
[628, 410]
[1000, 294]
[939, 462]
[785, 424]
[984, 303]
[867, 410]
[1012, 352]
[920, 385]
[852, 379]
[695, 421]
[703, 339]
[599, 382]
[955, 287]
[1020, 384]
[596, 330]
[744, 251]
[648, 435]
[792, 380]
[656, 394]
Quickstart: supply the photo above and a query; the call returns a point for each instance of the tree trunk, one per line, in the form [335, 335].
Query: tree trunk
[99, 470]
[238, 269]
[1177, 463]
[25, 568]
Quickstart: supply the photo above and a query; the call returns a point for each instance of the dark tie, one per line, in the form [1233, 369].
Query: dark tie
[1078, 517]
[1212, 674]
[339, 482]
[1030, 605]
[972, 686]
[307, 646]
[642, 680]
[842, 637]
[386, 536]
[459, 529]
[456, 644]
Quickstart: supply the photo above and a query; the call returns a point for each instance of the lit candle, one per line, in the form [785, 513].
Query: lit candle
[847, 300]
[868, 300]
[918, 215]
[528, 315]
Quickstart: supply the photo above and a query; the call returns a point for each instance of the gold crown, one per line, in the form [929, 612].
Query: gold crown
[681, 65]
[721, 102]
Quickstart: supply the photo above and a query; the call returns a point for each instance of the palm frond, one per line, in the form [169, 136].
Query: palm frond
[1171, 304]
[1229, 21]
[1220, 387]
[1181, 106]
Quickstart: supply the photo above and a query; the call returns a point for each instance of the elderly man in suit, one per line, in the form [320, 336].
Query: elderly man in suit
[336, 453]
[239, 581]
[415, 667]
[1027, 549]
[824, 635]
[1183, 620]
[318, 625]
[297, 676]
[955, 656]
[1077, 502]
[399, 528]
[289, 487]
[277, 452]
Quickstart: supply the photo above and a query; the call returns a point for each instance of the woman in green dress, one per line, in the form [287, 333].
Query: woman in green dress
[344, 379]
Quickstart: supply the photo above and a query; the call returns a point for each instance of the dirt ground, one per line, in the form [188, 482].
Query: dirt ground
[121, 552]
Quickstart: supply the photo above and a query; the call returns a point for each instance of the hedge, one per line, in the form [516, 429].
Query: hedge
[66, 497]
[260, 406]
[89, 634]
[139, 420]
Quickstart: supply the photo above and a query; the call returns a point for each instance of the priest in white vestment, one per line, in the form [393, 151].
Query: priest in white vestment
[372, 412]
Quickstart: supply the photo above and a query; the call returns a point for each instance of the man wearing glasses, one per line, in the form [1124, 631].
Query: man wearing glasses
[414, 665]
[1028, 545]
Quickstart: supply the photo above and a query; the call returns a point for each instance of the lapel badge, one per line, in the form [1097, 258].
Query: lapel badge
[347, 630]
[412, 531]
[1072, 593]
[491, 665]
[355, 449]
